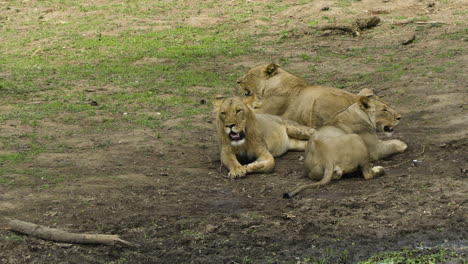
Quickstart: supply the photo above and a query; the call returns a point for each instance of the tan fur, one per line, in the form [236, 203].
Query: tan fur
[284, 94]
[349, 142]
[266, 136]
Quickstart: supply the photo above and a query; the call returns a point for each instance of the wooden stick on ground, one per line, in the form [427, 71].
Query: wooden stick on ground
[59, 235]
[356, 27]
[419, 22]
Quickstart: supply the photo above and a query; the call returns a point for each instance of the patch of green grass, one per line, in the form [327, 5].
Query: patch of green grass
[420, 18]
[424, 27]
[247, 260]
[113, 60]
[312, 68]
[7, 183]
[284, 61]
[458, 35]
[305, 56]
[24, 155]
[450, 52]
[345, 3]
[165, 61]
[103, 144]
[438, 69]
[460, 12]
[313, 23]
[35, 178]
[416, 256]
[327, 256]
[14, 237]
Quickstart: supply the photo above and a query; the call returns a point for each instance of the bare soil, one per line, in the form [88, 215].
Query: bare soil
[168, 192]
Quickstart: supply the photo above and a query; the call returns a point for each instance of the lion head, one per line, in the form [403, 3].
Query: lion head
[233, 116]
[251, 81]
[268, 80]
[382, 116]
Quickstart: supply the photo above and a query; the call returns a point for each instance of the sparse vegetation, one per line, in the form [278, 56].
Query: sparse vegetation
[106, 124]
[415, 256]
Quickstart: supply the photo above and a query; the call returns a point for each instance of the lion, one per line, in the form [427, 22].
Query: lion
[348, 142]
[291, 97]
[245, 135]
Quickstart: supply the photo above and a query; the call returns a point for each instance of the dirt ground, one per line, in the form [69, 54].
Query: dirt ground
[169, 193]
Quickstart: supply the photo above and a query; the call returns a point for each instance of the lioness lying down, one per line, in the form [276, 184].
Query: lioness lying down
[284, 94]
[259, 137]
[349, 142]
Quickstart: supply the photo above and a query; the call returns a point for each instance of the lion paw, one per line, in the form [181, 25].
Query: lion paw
[251, 167]
[237, 172]
[378, 171]
[400, 145]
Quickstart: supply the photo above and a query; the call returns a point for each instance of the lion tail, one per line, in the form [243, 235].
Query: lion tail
[327, 177]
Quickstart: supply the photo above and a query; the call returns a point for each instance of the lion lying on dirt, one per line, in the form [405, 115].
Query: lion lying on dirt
[291, 97]
[349, 142]
[260, 137]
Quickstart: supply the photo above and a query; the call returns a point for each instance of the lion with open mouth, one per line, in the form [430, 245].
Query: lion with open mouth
[245, 135]
[348, 142]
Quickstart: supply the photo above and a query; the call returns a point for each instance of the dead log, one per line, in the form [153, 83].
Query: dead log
[58, 235]
[342, 27]
[355, 28]
[364, 23]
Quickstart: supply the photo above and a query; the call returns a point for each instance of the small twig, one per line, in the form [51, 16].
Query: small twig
[404, 162]
[429, 22]
[418, 22]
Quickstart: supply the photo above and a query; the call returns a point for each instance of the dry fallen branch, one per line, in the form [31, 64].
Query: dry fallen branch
[342, 27]
[418, 23]
[59, 235]
[356, 27]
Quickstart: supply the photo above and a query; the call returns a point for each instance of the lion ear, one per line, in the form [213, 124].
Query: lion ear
[249, 99]
[271, 69]
[364, 102]
[218, 100]
[368, 93]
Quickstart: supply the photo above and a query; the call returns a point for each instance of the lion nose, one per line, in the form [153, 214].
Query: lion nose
[230, 125]
[238, 81]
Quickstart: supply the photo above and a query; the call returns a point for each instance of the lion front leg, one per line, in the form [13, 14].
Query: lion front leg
[264, 164]
[236, 170]
[390, 147]
[297, 131]
[371, 172]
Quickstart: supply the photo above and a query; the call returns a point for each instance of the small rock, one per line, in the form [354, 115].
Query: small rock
[325, 8]
[93, 103]
[64, 245]
[409, 40]
[210, 228]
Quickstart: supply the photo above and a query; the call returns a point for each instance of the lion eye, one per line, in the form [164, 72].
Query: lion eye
[238, 111]
[385, 110]
[223, 113]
